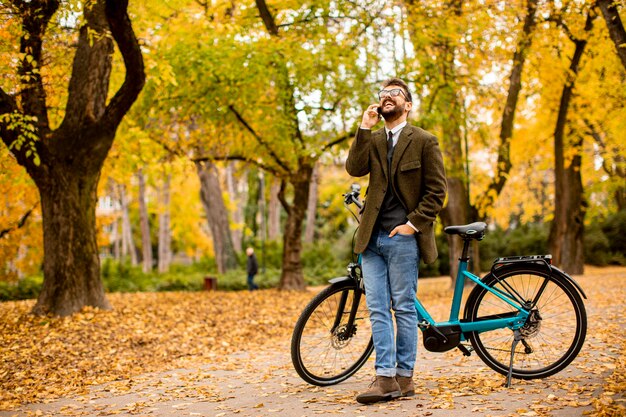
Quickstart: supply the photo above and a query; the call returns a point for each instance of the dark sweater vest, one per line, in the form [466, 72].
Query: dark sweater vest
[392, 212]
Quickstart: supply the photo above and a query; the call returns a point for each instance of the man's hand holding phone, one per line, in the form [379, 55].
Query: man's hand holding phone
[371, 116]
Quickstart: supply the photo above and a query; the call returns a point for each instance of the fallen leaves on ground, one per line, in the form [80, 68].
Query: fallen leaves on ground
[612, 400]
[48, 358]
[45, 358]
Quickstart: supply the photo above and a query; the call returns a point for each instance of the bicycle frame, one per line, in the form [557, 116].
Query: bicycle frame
[513, 321]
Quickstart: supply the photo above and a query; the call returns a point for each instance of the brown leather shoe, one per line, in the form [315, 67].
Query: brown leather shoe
[406, 385]
[384, 388]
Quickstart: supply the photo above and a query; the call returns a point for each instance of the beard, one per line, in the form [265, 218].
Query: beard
[391, 114]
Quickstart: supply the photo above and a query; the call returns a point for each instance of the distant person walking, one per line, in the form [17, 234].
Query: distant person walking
[252, 268]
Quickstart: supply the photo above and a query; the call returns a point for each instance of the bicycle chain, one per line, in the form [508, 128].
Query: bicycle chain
[471, 349]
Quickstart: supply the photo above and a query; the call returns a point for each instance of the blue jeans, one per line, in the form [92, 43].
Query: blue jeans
[251, 285]
[390, 268]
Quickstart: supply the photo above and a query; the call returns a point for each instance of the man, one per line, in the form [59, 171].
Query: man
[252, 267]
[407, 187]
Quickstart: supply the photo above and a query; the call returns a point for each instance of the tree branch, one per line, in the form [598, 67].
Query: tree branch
[122, 31]
[281, 196]
[337, 141]
[25, 121]
[170, 150]
[7, 103]
[259, 139]
[266, 16]
[615, 26]
[35, 17]
[20, 223]
[598, 137]
[310, 19]
[264, 167]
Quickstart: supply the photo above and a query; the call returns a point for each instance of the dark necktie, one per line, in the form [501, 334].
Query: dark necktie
[390, 143]
[389, 150]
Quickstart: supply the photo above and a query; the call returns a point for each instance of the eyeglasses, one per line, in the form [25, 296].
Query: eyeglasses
[394, 92]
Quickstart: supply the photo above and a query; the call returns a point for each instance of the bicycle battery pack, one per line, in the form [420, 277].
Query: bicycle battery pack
[441, 338]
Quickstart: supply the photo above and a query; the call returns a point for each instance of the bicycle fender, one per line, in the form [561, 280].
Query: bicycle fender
[339, 279]
[571, 280]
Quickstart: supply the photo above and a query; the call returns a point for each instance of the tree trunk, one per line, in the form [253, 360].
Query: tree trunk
[262, 212]
[117, 239]
[71, 267]
[165, 235]
[620, 190]
[572, 256]
[566, 231]
[237, 214]
[128, 244]
[455, 213]
[217, 216]
[273, 212]
[311, 210]
[620, 198]
[615, 26]
[144, 222]
[252, 204]
[292, 277]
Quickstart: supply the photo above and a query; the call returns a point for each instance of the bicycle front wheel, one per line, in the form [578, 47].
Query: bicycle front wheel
[551, 337]
[325, 349]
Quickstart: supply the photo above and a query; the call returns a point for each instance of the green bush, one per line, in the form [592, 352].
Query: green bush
[24, 289]
[323, 261]
[597, 246]
[123, 277]
[615, 230]
[605, 241]
[180, 281]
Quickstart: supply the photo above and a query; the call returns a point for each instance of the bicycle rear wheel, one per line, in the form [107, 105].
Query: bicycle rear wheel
[323, 349]
[551, 337]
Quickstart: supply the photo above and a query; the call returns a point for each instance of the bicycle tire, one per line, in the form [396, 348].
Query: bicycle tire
[322, 357]
[554, 336]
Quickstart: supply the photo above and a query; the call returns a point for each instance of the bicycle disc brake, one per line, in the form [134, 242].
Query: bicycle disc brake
[532, 326]
[341, 338]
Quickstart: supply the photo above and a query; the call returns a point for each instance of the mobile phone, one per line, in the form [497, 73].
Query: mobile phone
[379, 110]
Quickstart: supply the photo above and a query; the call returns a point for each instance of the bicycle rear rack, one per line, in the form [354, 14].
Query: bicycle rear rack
[538, 259]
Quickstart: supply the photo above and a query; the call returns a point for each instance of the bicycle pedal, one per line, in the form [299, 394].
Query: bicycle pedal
[465, 351]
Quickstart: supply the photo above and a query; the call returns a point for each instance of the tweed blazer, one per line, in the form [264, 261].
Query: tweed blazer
[418, 178]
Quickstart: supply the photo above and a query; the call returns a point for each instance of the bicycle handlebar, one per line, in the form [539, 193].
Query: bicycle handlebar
[352, 197]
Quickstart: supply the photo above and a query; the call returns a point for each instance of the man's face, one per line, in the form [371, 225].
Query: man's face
[393, 102]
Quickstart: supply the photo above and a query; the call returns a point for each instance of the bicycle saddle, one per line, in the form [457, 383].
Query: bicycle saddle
[468, 231]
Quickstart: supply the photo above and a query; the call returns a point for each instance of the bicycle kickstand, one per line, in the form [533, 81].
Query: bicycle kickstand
[517, 336]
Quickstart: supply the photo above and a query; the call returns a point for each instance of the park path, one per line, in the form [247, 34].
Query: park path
[263, 383]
